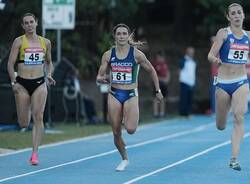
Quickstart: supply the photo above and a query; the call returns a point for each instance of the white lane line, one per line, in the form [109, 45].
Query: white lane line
[60, 143]
[83, 138]
[179, 134]
[182, 161]
[79, 139]
[57, 166]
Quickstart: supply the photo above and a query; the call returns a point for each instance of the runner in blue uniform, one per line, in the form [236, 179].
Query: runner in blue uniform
[124, 60]
[230, 52]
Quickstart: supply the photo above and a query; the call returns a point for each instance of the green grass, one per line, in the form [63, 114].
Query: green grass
[18, 140]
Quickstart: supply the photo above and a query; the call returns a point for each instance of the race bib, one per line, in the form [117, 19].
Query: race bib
[33, 56]
[122, 75]
[238, 53]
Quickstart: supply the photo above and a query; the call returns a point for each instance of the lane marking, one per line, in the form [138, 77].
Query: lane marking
[141, 127]
[174, 135]
[178, 134]
[57, 166]
[60, 143]
[182, 161]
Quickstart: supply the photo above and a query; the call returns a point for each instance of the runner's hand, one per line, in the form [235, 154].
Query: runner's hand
[102, 80]
[51, 81]
[159, 96]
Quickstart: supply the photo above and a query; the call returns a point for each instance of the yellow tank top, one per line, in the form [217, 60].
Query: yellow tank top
[32, 55]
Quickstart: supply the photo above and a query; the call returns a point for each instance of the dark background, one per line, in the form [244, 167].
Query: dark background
[168, 25]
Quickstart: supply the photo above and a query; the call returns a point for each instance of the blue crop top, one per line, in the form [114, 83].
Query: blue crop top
[234, 50]
[124, 71]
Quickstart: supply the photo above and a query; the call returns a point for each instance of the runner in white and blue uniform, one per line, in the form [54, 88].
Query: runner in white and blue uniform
[124, 60]
[230, 52]
[234, 51]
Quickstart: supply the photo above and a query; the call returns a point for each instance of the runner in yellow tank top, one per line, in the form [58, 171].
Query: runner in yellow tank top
[29, 87]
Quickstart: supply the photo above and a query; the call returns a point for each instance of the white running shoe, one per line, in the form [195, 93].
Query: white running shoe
[122, 165]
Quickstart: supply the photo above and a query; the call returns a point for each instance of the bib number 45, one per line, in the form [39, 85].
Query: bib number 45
[34, 57]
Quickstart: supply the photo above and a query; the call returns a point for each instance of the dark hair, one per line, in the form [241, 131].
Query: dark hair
[28, 14]
[231, 5]
[120, 25]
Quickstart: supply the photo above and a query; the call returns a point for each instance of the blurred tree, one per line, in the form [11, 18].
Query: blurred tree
[84, 45]
[95, 19]
[213, 13]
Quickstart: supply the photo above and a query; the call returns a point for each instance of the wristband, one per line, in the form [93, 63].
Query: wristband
[13, 83]
[157, 91]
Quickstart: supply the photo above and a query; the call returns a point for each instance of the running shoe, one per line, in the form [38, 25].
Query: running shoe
[234, 164]
[34, 159]
[122, 165]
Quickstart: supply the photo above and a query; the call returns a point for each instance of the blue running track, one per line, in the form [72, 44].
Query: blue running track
[176, 151]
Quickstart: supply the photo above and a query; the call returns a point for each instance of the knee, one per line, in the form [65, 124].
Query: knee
[238, 119]
[131, 130]
[221, 123]
[219, 127]
[117, 134]
[21, 125]
[38, 117]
